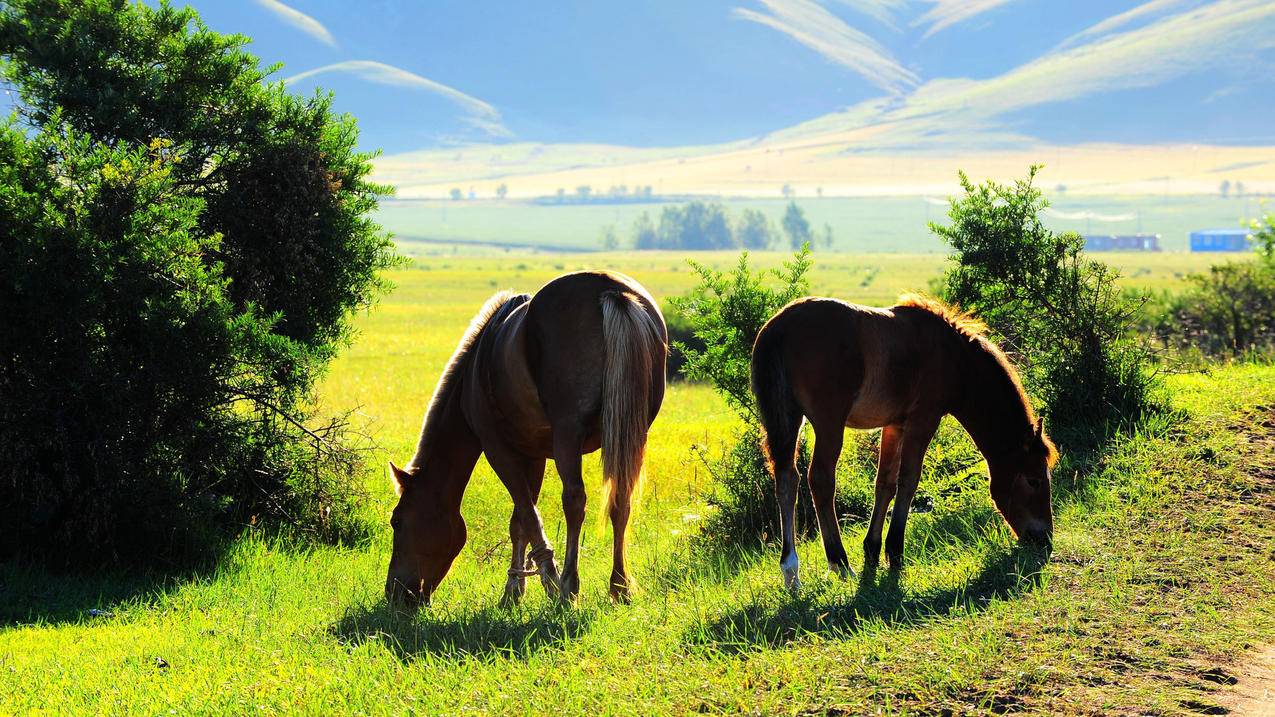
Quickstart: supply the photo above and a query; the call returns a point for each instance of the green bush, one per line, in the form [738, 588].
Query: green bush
[724, 312]
[1059, 312]
[1229, 312]
[184, 246]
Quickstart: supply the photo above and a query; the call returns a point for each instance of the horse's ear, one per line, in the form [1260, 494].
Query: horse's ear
[1040, 427]
[399, 478]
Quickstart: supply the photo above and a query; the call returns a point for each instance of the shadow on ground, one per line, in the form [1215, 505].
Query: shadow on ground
[30, 594]
[517, 632]
[775, 618]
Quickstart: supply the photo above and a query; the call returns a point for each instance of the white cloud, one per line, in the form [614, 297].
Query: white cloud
[1217, 35]
[481, 114]
[947, 13]
[300, 21]
[1223, 35]
[882, 11]
[813, 26]
[1147, 11]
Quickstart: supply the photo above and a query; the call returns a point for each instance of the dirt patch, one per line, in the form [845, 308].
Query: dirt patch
[1253, 694]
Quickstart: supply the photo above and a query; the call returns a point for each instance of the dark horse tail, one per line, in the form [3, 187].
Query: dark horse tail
[777, 407]
[632, 341]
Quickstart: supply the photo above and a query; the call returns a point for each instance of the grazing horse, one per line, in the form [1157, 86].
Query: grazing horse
[899, 369]
[577, 367]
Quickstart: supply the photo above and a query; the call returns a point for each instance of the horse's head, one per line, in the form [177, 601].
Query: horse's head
[427, 537]
[1021, 487]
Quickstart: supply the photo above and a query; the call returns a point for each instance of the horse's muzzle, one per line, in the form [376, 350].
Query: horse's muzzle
[1038, 536]
[402, 597]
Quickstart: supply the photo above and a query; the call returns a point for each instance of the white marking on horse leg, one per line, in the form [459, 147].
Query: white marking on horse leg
[789, 568]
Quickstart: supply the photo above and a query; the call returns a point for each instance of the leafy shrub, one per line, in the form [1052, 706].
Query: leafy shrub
[725, 311]
[1230, 310]
[680, 331]
[1060, 312]
[183, 248]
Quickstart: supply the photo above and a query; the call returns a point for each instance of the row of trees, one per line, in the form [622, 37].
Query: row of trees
[699, 226]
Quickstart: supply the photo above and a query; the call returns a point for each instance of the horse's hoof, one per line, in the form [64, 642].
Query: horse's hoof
[842, 570]
[788, 566]
[514, 590]
[569, 588]
[551, 583]
[621, 594]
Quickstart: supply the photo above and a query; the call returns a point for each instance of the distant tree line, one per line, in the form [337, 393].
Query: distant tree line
[615, 194]
[708, 226]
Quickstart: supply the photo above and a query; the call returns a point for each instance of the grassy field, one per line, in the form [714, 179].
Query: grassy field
[859, 224]
[1161, 578]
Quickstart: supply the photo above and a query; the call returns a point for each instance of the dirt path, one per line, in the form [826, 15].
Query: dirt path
[1254, 694]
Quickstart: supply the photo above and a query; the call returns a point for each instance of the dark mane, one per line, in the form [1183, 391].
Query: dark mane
[499, 305]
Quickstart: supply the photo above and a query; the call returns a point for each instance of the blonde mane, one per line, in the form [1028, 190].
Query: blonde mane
[964, 322]
[974, 329]
[448, 380]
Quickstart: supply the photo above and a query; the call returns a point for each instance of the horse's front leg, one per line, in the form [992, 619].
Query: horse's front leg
[916, 439]
[519, 567]
[886, 483]
[522, 477]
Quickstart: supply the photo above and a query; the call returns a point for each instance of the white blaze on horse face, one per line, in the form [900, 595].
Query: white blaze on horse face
[789, 568]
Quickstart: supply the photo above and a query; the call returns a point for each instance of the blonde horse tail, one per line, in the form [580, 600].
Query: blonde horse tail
[632, 340]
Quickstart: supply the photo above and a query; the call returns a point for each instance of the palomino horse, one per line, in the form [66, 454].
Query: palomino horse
[576, 367]
[900, 369]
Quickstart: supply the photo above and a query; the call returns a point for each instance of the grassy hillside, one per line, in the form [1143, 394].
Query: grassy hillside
[859, 224]
[1160, 579]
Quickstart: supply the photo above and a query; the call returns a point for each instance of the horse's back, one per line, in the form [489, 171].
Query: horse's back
[845, 362]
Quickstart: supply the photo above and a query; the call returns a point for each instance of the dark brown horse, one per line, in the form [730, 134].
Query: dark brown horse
[900, 369]
[577, 367]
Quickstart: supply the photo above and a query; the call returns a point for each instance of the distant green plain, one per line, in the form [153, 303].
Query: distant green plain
[859, 224]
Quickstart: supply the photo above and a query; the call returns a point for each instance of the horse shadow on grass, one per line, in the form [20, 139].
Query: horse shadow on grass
[775, 618]
[517, 632]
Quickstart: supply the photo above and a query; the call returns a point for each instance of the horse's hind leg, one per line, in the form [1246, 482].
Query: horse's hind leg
[887, 480]
[620, 584]
[823, 488]
[567, 446]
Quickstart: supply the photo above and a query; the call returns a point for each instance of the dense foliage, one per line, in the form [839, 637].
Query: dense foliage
[726, 310]
[1059, 312]
[724, 313]
[1230, 311]
[184, 245]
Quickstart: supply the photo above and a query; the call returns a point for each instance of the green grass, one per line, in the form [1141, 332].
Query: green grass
[859, 224]
[1160, 578]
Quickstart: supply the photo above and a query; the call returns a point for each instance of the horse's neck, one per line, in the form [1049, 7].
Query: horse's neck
[448, 449]
[991, 407]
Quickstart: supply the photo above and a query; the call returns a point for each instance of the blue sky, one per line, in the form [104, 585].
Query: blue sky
[683, 72]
